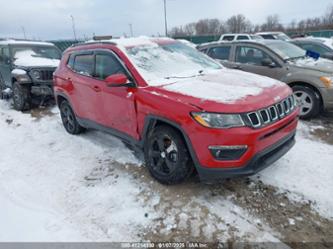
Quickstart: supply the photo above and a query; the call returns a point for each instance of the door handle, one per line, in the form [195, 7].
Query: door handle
[96, 88]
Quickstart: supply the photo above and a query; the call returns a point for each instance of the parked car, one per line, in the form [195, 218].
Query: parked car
[274, 36]
[234, 37]
[178, 105]
[26, 69]
[314, 45]
[311, 80]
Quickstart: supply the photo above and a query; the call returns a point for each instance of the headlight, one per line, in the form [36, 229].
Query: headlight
[327, 80]
[218, 120]
[35, 74]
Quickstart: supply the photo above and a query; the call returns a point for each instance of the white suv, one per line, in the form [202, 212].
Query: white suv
[234, 37]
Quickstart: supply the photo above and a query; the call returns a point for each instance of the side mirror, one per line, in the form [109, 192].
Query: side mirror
[268, 63]
[117, 80]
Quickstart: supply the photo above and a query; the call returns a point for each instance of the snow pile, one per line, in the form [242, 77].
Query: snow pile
[28, 58]
[305, 171]
[223, 86]
[18, 71]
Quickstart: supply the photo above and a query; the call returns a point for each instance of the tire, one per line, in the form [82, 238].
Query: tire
[69, 120]
[21, 97]
[308, 101]
[166, 156]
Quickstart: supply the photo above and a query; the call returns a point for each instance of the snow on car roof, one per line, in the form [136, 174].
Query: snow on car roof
[135, 41]
[18, 42]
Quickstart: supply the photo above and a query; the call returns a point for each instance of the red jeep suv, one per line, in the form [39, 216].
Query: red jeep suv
[184, 110]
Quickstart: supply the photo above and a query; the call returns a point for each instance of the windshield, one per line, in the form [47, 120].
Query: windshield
[48, 52]
[287, 50]
[159, 64]
[283, 37]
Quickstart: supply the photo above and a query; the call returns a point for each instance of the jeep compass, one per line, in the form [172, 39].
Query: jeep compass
[184, 110]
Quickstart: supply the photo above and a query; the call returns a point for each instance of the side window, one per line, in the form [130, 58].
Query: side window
[106, 65]
[221, 53]
[4, 54]
[70, 62]
[242, 37]
[250, 55]
[315, 48]
[228, 38]
[84, 64]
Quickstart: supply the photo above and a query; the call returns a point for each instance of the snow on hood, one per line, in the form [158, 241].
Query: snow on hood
[27, 58]
[320, 64]
[225, 86]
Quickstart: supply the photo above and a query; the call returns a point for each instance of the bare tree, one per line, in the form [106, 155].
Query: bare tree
[238, 24]
[272, 24]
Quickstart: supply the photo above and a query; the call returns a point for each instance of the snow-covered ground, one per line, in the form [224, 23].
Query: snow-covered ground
[58, 187]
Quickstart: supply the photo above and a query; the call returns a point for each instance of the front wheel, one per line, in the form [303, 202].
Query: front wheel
[308, 101]
[21, 97]
[166, 156]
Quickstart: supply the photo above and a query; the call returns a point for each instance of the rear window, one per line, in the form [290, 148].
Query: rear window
[221, 53]
[84, 64]
[243, 37]
[228, 38]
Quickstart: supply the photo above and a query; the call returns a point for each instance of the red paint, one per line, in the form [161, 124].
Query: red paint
[125, 109]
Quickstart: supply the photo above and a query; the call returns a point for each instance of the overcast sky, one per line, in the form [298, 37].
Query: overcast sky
[47, 19]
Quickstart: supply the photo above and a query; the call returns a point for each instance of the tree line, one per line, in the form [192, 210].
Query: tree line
[240, 24]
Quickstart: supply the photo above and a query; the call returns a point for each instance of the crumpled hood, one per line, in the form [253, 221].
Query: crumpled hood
[27, 59]
[322, 65]
[226, 91]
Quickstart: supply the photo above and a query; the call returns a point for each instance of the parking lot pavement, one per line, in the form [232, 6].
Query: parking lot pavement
[92, 188]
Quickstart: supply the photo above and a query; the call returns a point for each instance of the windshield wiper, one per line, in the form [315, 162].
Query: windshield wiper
[200, 73]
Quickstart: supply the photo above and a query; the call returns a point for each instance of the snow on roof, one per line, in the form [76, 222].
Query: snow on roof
[17, 42]
[27, 58]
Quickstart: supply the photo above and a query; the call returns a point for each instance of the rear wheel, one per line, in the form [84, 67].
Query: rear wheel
[166, 156]
[21, 97]
[69, 119]
[308, 101]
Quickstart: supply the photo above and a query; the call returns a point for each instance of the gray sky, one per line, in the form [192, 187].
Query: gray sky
[50, 19]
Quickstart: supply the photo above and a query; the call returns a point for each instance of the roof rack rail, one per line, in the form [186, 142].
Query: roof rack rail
[93, 42]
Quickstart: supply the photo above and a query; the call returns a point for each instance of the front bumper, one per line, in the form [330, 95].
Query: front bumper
[42, 89]
[256, 164]
[264, 146]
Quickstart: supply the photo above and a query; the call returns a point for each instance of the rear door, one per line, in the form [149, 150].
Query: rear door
[87, 90]
[118, 110]
[250, 58]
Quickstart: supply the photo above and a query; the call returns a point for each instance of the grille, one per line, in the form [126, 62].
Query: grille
[272, 113]
[46, 74]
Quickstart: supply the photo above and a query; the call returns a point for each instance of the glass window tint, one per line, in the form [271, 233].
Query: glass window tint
[315, 48]
[250, 55]
[242, 37]
[106, 65]
[221, 53]
[84, 64]
[70, 61]
[228, 38]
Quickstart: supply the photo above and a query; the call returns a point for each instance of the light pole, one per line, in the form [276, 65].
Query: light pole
[131, 29]
[24, 34]
[73, 26]
[165, 19]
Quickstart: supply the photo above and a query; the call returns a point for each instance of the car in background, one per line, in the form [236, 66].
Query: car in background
[26, 70]
[314, 45]
[310, 79]
[183, 109]
[274, 36]
[235, 37]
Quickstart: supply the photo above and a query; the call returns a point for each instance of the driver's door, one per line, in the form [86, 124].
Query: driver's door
[250, 59]
[118, 102]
